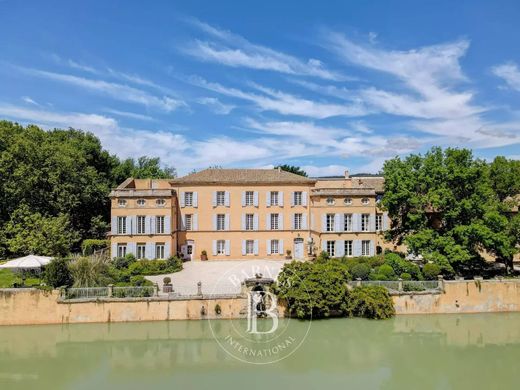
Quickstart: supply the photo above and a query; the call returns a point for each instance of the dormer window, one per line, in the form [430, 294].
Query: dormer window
[160, 202]
[331, 201]
[347, 201]
[365, 201]
[121, 202]
[141, 202]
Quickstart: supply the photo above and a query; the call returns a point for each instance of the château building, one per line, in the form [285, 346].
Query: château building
[247, 214]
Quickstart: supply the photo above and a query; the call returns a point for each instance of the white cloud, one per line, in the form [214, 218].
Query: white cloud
[116, 91]
[510, 73]
[235, 51]
[216, 105]
[29, 100]
[284, 103]
[131, 115]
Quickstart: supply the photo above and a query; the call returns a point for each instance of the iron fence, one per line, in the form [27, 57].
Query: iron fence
[86, 292]
[395, 286]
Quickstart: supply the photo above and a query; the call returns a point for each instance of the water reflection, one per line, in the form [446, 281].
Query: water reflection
[438, 352]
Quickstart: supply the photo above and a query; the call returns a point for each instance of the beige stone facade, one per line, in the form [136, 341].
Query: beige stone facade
[247, 214]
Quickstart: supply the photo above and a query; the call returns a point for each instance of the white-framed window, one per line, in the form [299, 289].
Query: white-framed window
[298, 196]
[121, 202]
[160, 202]
[331, 248]
[347, 222]
[140, 251]
[365, 222]
[330, 223]
[221, 198]
[250, 222]
[159, 250]
[121, 250]
[141, 202]
[250, 198]
[141, 224]
[275, 221]
[275, 247]
[330, 201]
[159, 224]
[349, 248]
[221, 247]
[274, 198]
[379, 222]
[188, 221]
[365, 248]
[365, 201]
[347, 201]
[188, 199]
[298, 221]
[221, 221]
[250, 247]
[121, 225]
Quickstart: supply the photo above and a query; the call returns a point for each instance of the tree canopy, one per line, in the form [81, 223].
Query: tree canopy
[292, 168]
[54, 187]
[453, 208]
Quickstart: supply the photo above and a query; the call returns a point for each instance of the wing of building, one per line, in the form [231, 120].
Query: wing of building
[246, 214]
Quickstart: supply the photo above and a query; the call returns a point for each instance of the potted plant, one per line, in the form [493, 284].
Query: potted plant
[288, 254]
[167, 285]
[204, 255]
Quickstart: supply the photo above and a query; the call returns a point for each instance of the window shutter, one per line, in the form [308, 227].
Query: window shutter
[152, 225]
[292, 199]
[293, 221]
[280, 198]
[385, 221]
[337, 222]
[324, 245]
[255, 221]
[167, 250]
[243, 198]
[195, 200]
[214, 199]
[243, 247]
[304, 198]
[129, 225]
[227, 247]
[243, 227]
[113, 225]
[183, 222]
[324, 222]
[214, 221]
[149, 250]
[280, 221]
[268, 247]
[255, 247]
[280, 246]
[226, 198]
[226, 222]
[355, 222]
[255, 198]
[372, 222]
[167, 225]
[356, 248]
[268, 198]
[304, 221]
[195, 222]
[182, 199]
[268, 222]
[372, 248]
[340, 248]
[214, 246]
[114, 251]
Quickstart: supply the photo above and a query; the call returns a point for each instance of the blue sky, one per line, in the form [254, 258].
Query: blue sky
[324, 85]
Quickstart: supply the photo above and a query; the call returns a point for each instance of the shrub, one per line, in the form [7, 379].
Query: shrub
[154, 267]
[387, 271]
[90, 271]
[89, 246]
[139, 281]
[431, 271]
[376, 276]
[360, 271]
[123, 262]
[167, 280]
[375, 261]
[174, 263]
[412, 287]
[370, 302]
[57, 274]
[400, 265]
[323, 256]
[406, 276]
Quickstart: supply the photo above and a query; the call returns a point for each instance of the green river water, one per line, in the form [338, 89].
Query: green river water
[472, 351]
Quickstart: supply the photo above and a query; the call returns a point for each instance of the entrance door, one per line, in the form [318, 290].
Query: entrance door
[187, 251]
[298, 248]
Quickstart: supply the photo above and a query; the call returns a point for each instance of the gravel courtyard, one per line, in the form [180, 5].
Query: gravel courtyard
[218, 276]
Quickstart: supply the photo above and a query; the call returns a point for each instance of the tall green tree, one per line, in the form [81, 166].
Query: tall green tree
[293, 169]
[445, 206]
[143, 168]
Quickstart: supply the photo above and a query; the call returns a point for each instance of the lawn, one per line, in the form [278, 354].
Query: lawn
[8, 278]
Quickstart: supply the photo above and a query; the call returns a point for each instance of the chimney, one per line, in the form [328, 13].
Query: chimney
[347, 174]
